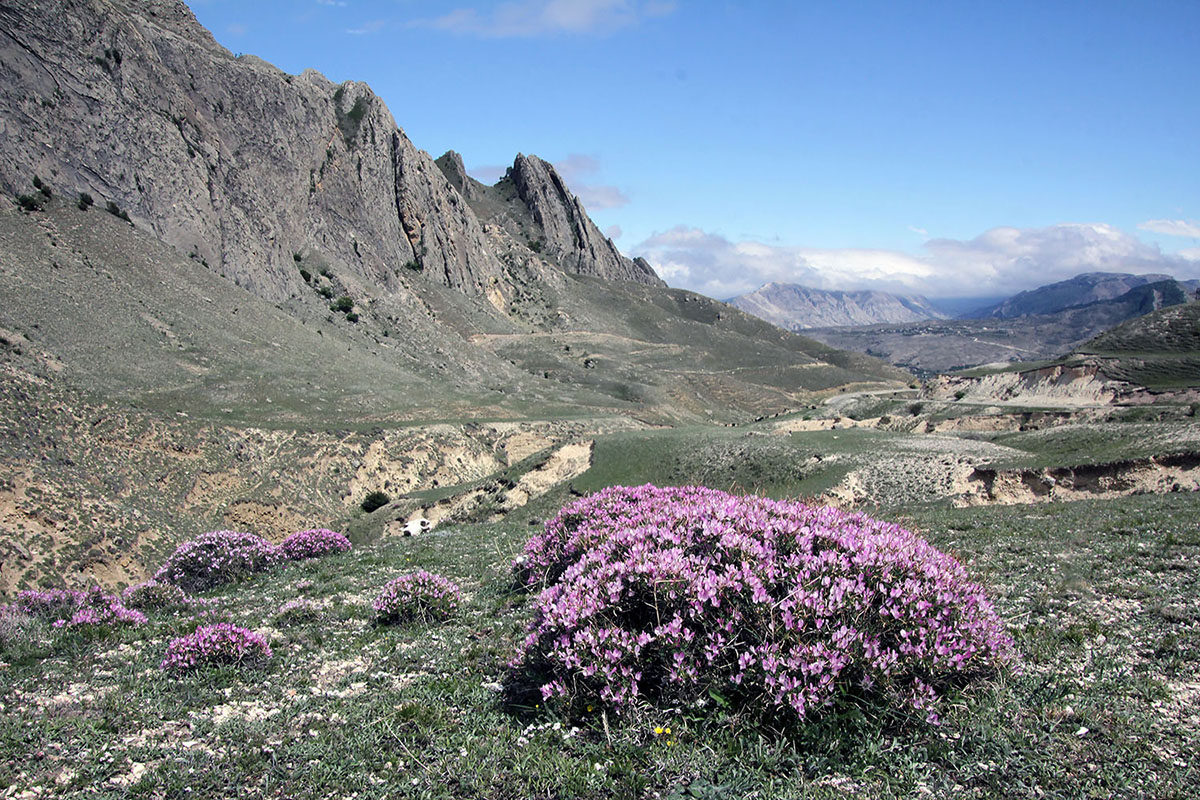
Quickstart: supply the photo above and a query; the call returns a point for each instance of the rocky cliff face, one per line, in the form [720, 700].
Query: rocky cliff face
[800, 307]
[569, 235]
[241, 164]
[534, 207]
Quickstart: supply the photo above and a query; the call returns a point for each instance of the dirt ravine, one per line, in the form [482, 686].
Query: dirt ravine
[1157, 475]
[566, 462]
[1080, 386]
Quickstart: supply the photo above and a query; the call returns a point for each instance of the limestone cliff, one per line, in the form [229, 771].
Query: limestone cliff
[234, 161]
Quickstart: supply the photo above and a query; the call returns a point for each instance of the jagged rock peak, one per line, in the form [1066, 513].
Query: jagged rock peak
[569, 236]
[451, 165]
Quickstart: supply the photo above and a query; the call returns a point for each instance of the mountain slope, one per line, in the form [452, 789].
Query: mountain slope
[307, 196]
[795, 307]
[1160, 350]
[1080, 290]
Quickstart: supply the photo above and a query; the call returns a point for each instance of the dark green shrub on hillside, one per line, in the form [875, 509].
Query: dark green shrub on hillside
[31, 202]
[352, 317]
[116, 211]
[375, 500]
[306, 275]
[414, 265]
[344, 304]
[85, 201]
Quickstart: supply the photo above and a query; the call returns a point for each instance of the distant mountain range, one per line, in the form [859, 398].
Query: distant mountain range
[938, 345]
[796, 307]
[1089, 287]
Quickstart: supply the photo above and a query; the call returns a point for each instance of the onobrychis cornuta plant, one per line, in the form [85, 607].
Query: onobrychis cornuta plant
[313, 544]
[671, 596]
[71, 608]
[417, 597]
[217, 557]
[216, 645]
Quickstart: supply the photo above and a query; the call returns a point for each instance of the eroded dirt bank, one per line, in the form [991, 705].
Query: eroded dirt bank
[1154, 475]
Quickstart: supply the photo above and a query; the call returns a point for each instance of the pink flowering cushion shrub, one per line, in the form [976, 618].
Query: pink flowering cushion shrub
[71, 608]
[313, 544]
[417, 597]
[670, 596]
[49, 604]
[216, 645]
[155, 595]
[218, 557]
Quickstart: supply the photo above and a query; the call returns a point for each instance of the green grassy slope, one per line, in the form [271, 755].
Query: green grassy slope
[1160, 350]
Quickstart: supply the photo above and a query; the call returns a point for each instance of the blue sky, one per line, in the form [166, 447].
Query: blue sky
[950, 149]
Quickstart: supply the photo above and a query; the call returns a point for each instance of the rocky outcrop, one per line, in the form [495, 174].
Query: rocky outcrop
[800, 307]
[451, 165]
[246, 167]
[568, 235]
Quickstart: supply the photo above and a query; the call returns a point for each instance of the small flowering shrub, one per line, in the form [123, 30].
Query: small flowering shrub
[50, 604]
[312, 544]
[216, 645]
[417, 597]
[212, 559]
[70, 608]
[300, 611]
[672, 596]
[154, 595]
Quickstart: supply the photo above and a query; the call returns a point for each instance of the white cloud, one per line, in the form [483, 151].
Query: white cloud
[998, 261]
[613, 231]
[367, 28]
[574, 169]
[336, 3]
[1172, 227]
[525, 18]
[918, 231]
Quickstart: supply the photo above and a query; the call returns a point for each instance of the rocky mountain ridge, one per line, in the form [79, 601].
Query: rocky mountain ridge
[796, 307]
[251, 169]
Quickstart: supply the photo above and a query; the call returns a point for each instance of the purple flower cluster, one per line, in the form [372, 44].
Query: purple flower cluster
[670, 595]
[418, 596]
[155, 595]
[71, 608]
[215, 558]
[214, 645]
[50, 604]
[312, 544]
